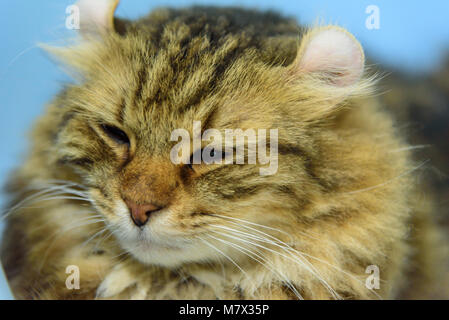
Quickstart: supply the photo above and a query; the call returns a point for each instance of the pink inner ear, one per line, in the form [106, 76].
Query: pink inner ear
[335, 52]
[95, 14]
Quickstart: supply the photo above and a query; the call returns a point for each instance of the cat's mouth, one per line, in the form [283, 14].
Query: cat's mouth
[156, 234]
[156, 250]
[159, 241]
[149, 244]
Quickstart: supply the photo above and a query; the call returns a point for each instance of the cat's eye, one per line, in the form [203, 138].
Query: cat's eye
[207, 157]
[213, 153]
[115, 134]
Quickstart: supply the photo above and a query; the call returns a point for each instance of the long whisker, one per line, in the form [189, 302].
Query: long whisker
[50, 193]
[72, 226]
[71, 188]
[88, 214]
[284, 246]
[306, 264]
[263, 261]
[225, 255]
[302, 260]
[389, 181]
[123, 255]
[420, 146]
[61, 182]
[264, 227]
[31, 197]
[65, 198]
[104, 237]
[103, 229]
[253, 223]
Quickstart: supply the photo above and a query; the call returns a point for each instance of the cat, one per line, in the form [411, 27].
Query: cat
[99, 192]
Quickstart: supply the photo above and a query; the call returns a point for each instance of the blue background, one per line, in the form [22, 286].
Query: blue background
[413, 36]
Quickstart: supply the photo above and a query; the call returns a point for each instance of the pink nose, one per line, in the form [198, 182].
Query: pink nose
[141, 212]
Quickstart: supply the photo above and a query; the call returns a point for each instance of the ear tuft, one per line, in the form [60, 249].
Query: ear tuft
[332, 52]
[96, 16]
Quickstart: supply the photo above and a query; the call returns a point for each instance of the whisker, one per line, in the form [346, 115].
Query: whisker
[50, 193]
[62, 182]
[307, 266]
[225, 255]
[29, 198]
[248, 252]
[65, 198]
[420, 146]
[389, 181]
[123, 256]
[55, 236]
[16, 58]
[103, 229]
[89, 215]
[104, 238]
[284, 246]
[253, 223]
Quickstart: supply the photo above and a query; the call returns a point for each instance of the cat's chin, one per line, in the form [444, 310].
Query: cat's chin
[153, 253]
[166, 257]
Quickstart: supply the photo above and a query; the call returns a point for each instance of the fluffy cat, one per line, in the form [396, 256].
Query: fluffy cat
[98, 189]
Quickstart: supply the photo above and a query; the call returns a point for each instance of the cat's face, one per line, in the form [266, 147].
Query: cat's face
[118, 137]
[116, 132]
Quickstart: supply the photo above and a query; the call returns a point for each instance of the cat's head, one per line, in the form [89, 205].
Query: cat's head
[142, 85]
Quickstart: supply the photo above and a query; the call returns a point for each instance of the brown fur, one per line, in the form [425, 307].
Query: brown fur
[344, 197]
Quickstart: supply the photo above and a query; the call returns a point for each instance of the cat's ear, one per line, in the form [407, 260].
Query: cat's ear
[96, 17]
[332, 54]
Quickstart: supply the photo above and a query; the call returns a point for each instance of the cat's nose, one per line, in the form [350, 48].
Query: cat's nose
[140, 213]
